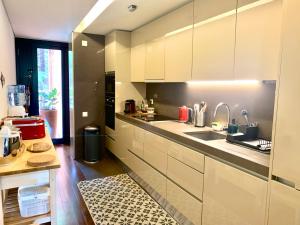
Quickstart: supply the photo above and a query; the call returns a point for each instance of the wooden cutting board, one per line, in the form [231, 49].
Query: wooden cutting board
[40, 160]
[39, 147]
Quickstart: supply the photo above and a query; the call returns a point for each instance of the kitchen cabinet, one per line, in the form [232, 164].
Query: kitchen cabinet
[286, 152]
[138, 58]
[187, 205]
[117, 54]
[137, 146]
[124, 136]
[186, 177]
[155, 60]
[178, 45]
[148, 174]
[232, 197]
[187, 156]
[155, 151]
[214, 39]
[110, 49]
[257, 56]
[284, 205]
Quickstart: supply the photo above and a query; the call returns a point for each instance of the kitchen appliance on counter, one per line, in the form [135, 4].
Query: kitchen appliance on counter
[30, 127]
[110, 99]
[10, 143]
[17, 100]
[129, 106]
[183, 114]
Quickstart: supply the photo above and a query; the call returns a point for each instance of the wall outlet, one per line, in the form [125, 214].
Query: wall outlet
[85, 114]
[84, 43]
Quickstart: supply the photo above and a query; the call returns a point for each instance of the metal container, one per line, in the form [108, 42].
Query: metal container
[10, 147]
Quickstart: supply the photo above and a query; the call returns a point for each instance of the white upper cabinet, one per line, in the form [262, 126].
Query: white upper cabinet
[178, 45]
[232, 197]
[214, 39]
[258, 39]
[284, 205]
[286, 150]
[155, 60]
[110, 52]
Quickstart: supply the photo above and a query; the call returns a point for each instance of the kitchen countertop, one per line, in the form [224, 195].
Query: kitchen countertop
[243, 158]
[20, 164]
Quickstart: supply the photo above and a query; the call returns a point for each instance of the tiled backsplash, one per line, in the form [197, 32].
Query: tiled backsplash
[257, 98]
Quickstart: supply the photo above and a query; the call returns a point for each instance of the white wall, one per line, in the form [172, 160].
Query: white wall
[7, 57]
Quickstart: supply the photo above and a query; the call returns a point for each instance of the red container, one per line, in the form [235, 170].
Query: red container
[183, 114]
[31, 128]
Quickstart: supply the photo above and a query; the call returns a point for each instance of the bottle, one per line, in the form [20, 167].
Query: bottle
[232, 127]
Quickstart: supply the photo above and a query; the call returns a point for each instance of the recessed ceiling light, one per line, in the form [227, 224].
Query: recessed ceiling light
[132, 8]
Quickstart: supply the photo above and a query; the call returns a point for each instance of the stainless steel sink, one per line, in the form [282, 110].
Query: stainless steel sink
[206, 135]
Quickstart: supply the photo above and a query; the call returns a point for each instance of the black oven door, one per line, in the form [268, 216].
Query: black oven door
[110, 112]
[110, 83]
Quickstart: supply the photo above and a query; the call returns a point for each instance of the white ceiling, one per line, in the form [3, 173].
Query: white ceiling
[117, 17]
[46, 19]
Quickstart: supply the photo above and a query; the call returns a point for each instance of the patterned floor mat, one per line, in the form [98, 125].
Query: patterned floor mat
[120, 200]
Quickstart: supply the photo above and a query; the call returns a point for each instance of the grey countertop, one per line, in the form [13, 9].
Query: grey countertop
[243, 158]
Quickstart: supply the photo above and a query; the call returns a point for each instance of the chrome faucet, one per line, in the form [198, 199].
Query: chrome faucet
[228, 111]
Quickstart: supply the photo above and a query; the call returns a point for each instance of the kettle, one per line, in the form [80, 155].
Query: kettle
[9, 144]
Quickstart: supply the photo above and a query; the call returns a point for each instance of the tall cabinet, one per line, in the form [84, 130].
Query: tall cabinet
[285, 196]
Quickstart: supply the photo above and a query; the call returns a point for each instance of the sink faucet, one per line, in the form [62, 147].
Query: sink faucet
[228, 111]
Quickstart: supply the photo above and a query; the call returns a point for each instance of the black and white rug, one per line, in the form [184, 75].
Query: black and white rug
[120, 200]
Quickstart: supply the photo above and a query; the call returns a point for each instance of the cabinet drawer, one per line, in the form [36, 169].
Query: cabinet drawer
[187, 156]
[138, 142]
[153, 178]
[110, 144]
[155, 151]
[187, 205]
[188, 178]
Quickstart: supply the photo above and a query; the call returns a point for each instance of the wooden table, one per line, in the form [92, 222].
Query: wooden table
[18, 173]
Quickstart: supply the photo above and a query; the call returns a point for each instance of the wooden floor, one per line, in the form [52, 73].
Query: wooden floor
[71, 207]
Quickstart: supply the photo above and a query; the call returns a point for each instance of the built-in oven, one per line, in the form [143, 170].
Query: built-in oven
[110, 100]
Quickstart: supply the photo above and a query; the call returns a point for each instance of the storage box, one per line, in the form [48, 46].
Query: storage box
[34, 200]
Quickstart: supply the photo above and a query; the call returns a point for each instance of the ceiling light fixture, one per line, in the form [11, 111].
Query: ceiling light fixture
[132, 8]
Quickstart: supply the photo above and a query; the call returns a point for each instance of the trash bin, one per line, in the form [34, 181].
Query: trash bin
[92, 144]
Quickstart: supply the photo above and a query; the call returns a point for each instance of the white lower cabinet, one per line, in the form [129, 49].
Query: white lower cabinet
[186, 204]
[137, 146]
[156, 151]
[284, 205]
[188, 178]
[124, 136]
[232, 197]
[152, 177]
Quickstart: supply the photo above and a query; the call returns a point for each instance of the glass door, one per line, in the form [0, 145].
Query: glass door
[49, 65]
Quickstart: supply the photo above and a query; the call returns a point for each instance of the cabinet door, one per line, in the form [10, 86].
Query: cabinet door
[187, 205]
[232, 197]
[155, 60]
[155, 151]
[286, 149]
[214, 39]
[138, 142]
[178, 45]
[284, 205]
[178, 56]
[258, 56]
[110, 52]
[138, 57]
[124, 135]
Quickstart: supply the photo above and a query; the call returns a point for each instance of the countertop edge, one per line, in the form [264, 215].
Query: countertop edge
[236, 161]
